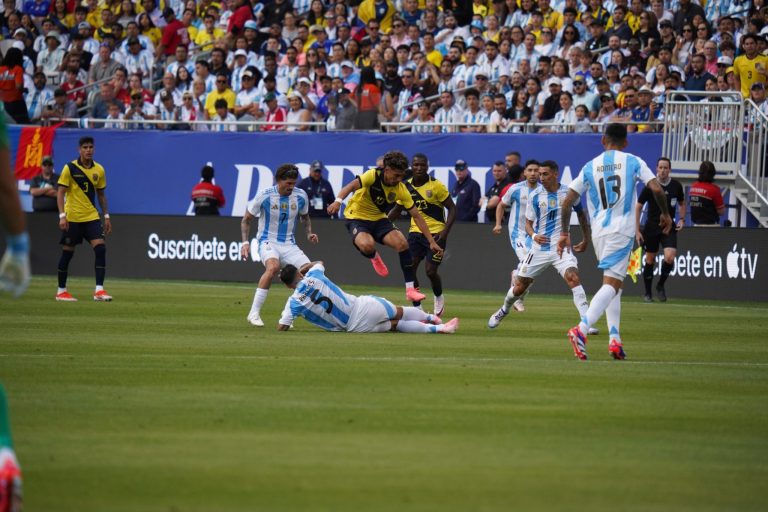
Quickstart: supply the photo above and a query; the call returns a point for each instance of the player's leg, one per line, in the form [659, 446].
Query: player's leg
[521, 250]
[407, 320]
[397, 241]
[416, 244]
[514, 294]
[69, 239]
[363, 238]
[271, 258]
[10, 471]
[432, 265]
[651, 246]
[419, 315]
[613, 317]
[669, 243]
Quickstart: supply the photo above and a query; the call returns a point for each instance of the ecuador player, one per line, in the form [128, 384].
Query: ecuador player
[375, 193]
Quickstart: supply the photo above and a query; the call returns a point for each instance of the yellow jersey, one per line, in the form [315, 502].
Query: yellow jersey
[82, 184]
[214, 95]
[374, 199]
[746, 70]
[428, 199]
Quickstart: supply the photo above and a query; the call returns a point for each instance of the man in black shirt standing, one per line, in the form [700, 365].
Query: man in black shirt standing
[318, 189]
[501, 178]
[650, 236]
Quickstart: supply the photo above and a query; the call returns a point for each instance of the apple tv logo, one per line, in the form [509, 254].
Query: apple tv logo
[740, 264]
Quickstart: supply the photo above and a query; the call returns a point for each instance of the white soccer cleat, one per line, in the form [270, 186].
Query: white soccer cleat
[450, 327]
[497, 317]
[519, 306]
[439, 306]
[255, 319]
[593, 330]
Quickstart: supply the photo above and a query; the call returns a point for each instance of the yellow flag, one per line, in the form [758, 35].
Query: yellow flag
[634, 264]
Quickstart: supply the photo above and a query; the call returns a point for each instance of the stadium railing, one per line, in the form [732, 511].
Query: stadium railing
[752, 183]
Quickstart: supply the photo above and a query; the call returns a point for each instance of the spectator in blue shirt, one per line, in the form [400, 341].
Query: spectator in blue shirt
[646, 110]
[466, 194]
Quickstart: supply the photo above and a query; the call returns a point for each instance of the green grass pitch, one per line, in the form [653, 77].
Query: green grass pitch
[167, 400]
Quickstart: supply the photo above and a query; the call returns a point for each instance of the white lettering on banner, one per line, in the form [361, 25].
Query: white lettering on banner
[738, 265]
[192, 249]
[243, 187]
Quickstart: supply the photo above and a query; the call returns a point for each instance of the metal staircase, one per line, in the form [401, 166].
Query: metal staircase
[728, 132]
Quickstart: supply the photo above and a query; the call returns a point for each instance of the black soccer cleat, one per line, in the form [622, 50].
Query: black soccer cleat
[661, 293]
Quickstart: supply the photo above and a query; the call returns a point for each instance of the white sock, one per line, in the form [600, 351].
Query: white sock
[409, 284]
[414, 326]
[60, 290]
[613, 316]
[99, 288]
[599, 302]
[411, 313]
[258, 300]
[511, 298]
[580, 300]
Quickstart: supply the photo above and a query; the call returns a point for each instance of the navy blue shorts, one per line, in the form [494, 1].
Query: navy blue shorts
[78, 231]
[653, 237]
[378, 229]
[419, 246]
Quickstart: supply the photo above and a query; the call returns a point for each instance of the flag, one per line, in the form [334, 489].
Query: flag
[35, 142]
[635, 260]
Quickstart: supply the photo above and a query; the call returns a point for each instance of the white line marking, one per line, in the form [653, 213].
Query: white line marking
[398, 359]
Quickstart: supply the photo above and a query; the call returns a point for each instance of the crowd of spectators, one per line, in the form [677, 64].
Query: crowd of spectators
[433, 66]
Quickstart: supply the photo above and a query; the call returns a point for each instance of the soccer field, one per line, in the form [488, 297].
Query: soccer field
[167, 400]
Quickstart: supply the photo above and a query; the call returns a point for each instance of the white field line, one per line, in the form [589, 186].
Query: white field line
[395, 359]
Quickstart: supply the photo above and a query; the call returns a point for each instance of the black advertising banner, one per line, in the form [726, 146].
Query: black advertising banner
[712, 263]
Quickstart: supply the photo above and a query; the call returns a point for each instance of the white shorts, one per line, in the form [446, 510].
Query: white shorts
[371, 314]
[613, 251]
[521, 250]
[537, 261]
[286, 254]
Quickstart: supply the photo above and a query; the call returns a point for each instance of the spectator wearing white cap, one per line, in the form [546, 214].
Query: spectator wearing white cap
[303, 89]
[50, 58]
[239, 67]
[90, 44]
[247, 102]
[349, 75]
[297, 114]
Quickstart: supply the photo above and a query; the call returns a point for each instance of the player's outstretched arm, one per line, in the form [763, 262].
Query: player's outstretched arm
[305, 267]
[349, 188]
[451, 207]
[499, 218]
[665, 221]
[421, 223]
[565, 219]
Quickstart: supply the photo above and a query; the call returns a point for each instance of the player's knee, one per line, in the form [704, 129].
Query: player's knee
[572, 278]
[365, 246]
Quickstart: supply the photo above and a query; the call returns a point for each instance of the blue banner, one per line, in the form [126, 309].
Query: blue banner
[153, 172]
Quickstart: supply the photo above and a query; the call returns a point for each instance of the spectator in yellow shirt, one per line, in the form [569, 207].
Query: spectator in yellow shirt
[208, 34]
[222, 91]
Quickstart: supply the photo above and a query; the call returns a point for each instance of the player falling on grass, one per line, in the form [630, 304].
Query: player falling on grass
[609, 182]
[375, 193]
[10, 471]
[321, 302]
[81, 182]
[432, 199]
[542, 223]
[278, 209]
[516, 198]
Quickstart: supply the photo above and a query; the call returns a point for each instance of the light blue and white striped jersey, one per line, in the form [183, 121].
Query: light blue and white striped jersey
[543, 211]
[319, 301]
[278, 215]
[516, 197]
[477, 117]
[610, 184]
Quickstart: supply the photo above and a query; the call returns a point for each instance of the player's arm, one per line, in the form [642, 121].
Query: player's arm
[395, 212]
[422, 224]
[349, 188]
[638, 214]
[681, 215]
[14, 266]
[307, 266]
[661, 199]
[60, 193]
[500, 207]
[565, 236]
[105, 210]
[308, 228]
[586, 231]
[451, 207]
[245, 230]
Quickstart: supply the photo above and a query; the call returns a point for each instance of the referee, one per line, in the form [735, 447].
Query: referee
[650, 235]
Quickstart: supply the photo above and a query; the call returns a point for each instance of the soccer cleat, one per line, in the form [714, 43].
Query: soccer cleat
[413, 294]
[10, 482]
[380, 267]
[102, 296]
[450, 327]
[578, 342]
[593, 330]
[647, 299]
[497, 317]
[255, 319]
[519, 306]
[661, 293]
[616, 349]
[439, 306]
[65, 297]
